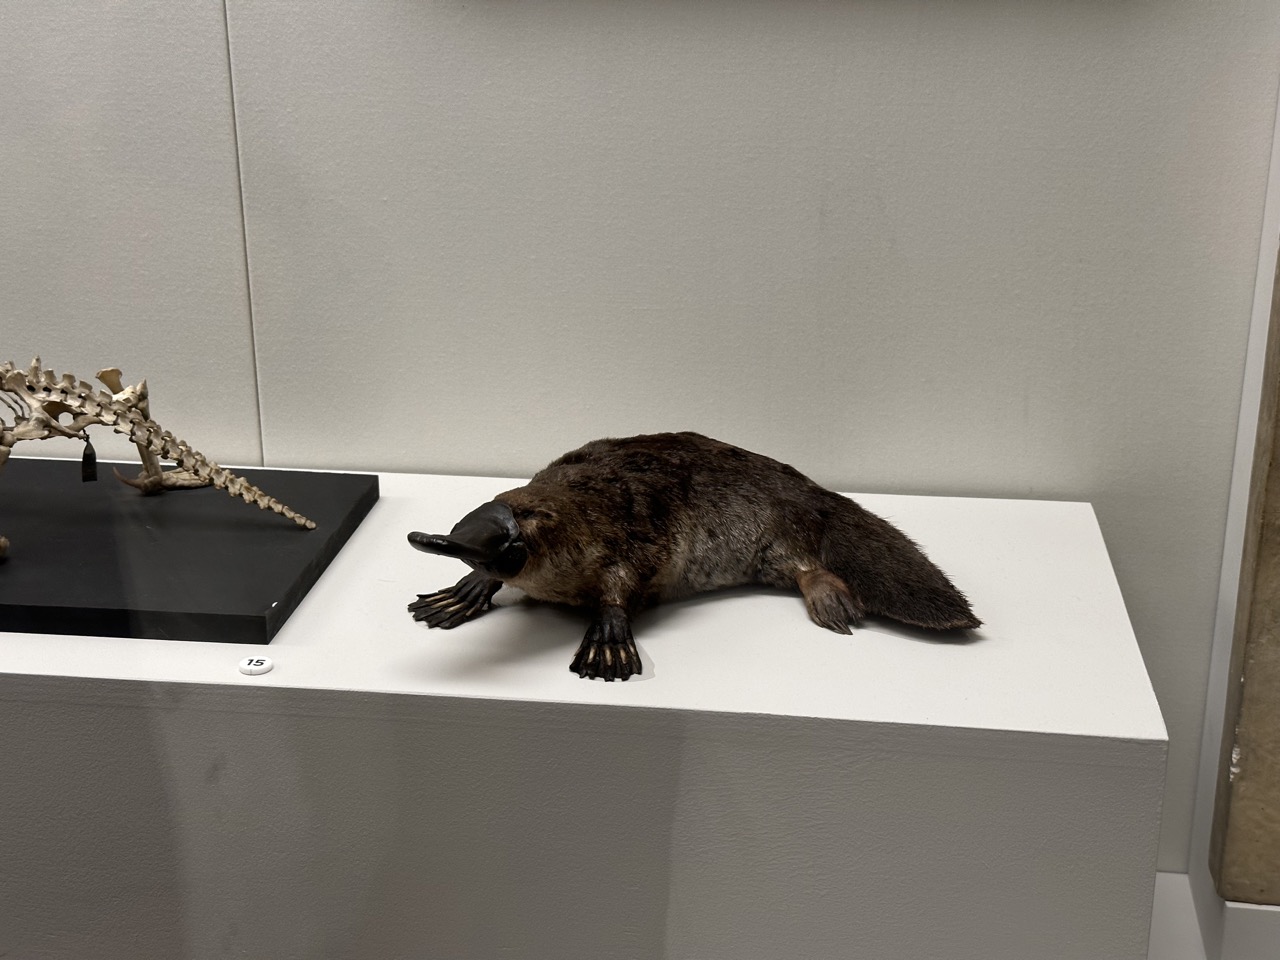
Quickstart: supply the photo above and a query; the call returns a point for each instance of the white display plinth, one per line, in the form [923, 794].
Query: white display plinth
[767, 789]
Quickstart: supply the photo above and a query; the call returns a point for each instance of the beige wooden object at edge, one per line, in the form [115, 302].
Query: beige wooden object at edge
[1245, 846]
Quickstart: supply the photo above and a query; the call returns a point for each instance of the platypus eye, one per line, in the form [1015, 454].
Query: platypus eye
[531, 513]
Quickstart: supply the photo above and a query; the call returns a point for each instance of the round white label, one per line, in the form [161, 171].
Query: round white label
[255, 665]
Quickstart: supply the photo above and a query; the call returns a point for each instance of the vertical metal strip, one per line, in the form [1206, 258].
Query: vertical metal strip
[244, 235]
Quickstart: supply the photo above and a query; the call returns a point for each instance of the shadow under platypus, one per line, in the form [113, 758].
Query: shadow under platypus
[619, 525]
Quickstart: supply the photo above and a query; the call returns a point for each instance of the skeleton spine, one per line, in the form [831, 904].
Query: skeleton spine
[164, 444]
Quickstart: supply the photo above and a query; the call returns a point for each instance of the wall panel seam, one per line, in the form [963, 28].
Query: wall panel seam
[244, 238]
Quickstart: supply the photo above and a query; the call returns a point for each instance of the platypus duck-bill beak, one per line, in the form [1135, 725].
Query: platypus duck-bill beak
[487, 538]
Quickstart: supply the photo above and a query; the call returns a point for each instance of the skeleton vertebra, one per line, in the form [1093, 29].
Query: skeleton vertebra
[38, 399]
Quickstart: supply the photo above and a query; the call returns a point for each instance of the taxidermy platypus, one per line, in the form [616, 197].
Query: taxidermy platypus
[619, 525]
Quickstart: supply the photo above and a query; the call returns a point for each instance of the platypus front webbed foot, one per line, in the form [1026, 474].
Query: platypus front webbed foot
[608, 651]
[465, 600]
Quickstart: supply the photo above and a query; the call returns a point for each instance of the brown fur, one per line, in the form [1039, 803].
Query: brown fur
[621, 524]
[646, 519]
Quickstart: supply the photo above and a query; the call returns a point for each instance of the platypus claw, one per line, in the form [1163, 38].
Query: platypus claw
[829, 600]
[608, 651]
[465, 600]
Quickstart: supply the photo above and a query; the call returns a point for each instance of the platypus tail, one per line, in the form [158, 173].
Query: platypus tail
[888, 573]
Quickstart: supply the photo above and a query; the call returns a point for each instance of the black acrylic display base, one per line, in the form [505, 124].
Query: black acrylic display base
[105, 560]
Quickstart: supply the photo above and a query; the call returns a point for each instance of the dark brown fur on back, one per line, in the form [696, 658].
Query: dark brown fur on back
[632, 522]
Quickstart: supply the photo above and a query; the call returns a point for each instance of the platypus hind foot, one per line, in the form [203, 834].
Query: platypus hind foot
[465, 600]
[608, 651]
[829, 600]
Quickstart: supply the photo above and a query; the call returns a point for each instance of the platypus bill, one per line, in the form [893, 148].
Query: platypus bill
[619, 525]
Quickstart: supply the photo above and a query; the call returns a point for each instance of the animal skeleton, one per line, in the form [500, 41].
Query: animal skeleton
[38, 400]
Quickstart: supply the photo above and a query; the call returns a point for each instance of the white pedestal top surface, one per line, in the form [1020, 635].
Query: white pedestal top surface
[1056, 654]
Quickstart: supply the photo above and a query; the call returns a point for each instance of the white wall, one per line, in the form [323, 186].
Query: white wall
[982, 248]
[121, 237]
